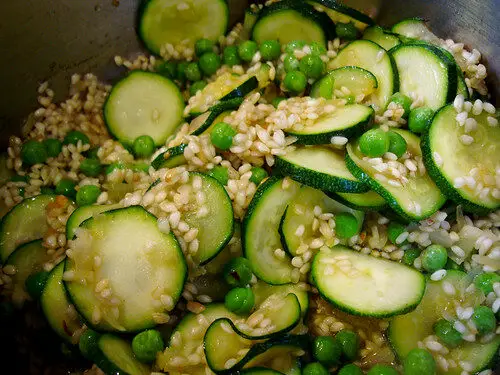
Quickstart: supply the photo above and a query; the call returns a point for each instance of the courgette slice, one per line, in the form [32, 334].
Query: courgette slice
[116, 357]
[448, 160]
[26, 222]
[369, 201]
[174, 22]
[83, 213]
[320, 167]
[416, 200]
[135, 261]
[173, 157]
[205, 121]
[339, 12]
[383, 38]
[260, 371]
[363, 285]
[346, 121]
[263, 291]
[260, 236]
[143, 103]
[406, 331]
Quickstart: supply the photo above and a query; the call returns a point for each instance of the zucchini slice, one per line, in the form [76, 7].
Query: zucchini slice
[369, 201]
[383, 38]
[320, 167]
[448, 160]
[372, 57]
[357, 80]
[300, 212]
[202, 123]
[425, 70]
[290, 20]
[363, 285]
[115, 356]
[173, 157]
[134, 260]
[174, 22]
[263, 291]
[143, 103]
[406, 331]
[26, 222]
[260, 371]
[346, 121]
[60, 314]
[418, 199]
[260, 236]
[338, 12]
[83, 213]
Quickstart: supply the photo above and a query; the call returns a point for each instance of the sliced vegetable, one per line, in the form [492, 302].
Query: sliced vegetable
[171, 158]
[262, 291]
[356, 80]
[340, 13]
[83, 213]
[383, 38]
[204, 122]
[116, 357]
[370, 201]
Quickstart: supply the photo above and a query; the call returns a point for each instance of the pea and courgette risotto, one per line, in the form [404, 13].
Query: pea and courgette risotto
[308, 193]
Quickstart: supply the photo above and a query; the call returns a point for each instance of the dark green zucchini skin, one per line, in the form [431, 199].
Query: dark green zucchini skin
[348, 11]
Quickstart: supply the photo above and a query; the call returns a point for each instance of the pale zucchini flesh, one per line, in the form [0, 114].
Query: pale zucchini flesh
[357, 80]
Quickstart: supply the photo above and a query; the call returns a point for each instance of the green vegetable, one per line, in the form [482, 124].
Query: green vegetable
[293, 45]
[327, 350]
[53, 147]
[394, 230]
[220, 173]
[350, 369]
[447, 334]
[397, 144]
[87, 195]
[350, 99]
[181, 71]
[66, 187]
[270, 50]
[89, 344]
[147, 344]
[167, 69]
[46, 190]
[74, 136]
[434, 258]
[346, 225]
[237, 272]
[222, 135]
[113, 166]
[209, 63]
[143, 146]
[33, 152]
[317, 48]
[484, 281]
[374, 143]
[346, 31]
[197, 86]
[203, 46]
[92, 153]
[291, 63]
[258, 174]
[404, 101]
[35, 284]
[91, 167]
[295, 81]
[410, 255]
[240, 300]
[315, 368]
[349, 342]
[382, 370]
[420, 119]
[312, 66]
[484, 319]
[276, 101]
[452, 265]
[247, 50]
[18, 178]
[230, 56]
[193, 72]
[21, 191]
[419, 362]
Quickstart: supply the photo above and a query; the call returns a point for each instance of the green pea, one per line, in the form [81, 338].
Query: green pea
[420, 119]
[452, 265]
[114, 166]
[318, 48]
[445, 331]
[394, 230]
[349, 342]
[220, 173]
[237, 272]
[240, 300]
[419, 362]
[350, 369]
[193, 72]
[230, 56]
[434, 258]
[382, 370]
[397, 144]
[87, 195]
[346, 31]
[144, 146]
[92, 153]
[247, 50]
[197, 86]
[485, 281]
[33, 152]
[410, 255]
[47, 191]
[66, 187]
[276, 101]
[327, 350]
[147, 344]
[374, 143]
[346, 225]
[21, 191]
[295, 81]
[312, 66]
[53, 147]
[484, 319]
[258, 174]
[315, 368]
[18, 178]
[203, 46]
[74, 136]
[167, 69]
[350, 99]
[291, 63]
[209, 63]
[270, 50]
[89, 344]
[222, 135]
[35, 284]
[294, 45]
[404, 101]
[91, 167]
[181, 71]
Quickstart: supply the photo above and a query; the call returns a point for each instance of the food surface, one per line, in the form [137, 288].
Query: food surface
[306, 193]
